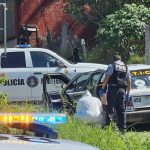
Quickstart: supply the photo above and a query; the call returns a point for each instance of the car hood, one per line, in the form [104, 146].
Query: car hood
[91, 65]
[11, 142]
[140, 91]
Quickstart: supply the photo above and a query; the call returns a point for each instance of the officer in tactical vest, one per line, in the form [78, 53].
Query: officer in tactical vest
[118, 81]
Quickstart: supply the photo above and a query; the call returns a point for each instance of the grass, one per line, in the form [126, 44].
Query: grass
[104, 139]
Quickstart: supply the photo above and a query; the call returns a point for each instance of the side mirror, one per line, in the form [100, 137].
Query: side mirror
[60, 64]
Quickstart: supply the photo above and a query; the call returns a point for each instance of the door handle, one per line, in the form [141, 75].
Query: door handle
[36, 73]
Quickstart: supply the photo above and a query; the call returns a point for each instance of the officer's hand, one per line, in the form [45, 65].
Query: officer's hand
[101, 92]
[127, 97]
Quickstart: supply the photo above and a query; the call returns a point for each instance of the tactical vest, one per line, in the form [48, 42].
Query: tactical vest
[118, 78]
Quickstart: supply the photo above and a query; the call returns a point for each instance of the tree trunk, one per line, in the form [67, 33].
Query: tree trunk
[147, 44]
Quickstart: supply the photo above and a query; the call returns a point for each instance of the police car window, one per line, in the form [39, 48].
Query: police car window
[41, 59]
[92, 83]
[79, 83]
[13, 60]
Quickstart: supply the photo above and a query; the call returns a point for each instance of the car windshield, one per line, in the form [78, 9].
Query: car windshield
[140, 79]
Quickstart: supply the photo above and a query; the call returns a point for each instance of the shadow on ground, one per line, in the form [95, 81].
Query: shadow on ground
[139, 127]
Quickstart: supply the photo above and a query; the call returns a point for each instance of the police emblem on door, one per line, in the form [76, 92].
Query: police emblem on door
[32, 81]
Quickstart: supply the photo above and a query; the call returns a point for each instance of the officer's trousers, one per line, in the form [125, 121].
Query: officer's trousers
[116, 105]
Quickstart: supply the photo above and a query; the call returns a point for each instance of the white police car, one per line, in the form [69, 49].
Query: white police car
[38, 123]
[138, 107]
[24, 68]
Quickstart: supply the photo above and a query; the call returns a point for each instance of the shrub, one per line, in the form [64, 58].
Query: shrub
[136, 59]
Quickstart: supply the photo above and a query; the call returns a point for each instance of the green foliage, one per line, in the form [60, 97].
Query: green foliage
[136, 59]
[104, 139]
[3, 102]
[100, 55]
[90, 10]
[3, 97]
[96, 10]
[123, 31]
[3, 78]
[121, 25]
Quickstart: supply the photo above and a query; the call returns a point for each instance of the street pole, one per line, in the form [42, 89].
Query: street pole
[5, 25]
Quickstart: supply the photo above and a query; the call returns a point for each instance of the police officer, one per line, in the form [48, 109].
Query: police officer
[75, 57]
[118, 80]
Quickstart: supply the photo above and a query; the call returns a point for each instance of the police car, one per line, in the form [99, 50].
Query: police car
[137, 107]
[41, 124]
[24, 68]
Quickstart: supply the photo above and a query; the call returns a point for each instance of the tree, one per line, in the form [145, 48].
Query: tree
[123, 31]
[94, 11]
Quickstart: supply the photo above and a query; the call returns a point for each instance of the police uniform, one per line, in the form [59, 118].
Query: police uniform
[118, 74]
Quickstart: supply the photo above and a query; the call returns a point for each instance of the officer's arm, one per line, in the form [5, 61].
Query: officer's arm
[128, 82]
[129, 86]
[107, 75]
[105, 81]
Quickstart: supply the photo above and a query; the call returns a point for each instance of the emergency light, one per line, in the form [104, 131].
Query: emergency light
[23, 46]
[45, 118]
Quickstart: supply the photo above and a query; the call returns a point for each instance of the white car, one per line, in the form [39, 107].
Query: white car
[22, 142]
[138, 107]
[24, 68]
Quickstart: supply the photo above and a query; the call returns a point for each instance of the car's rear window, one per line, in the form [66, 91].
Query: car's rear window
[140, 78]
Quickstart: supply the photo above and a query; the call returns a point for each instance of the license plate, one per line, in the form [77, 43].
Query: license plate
[141, 101]
[137, 102]
[137, 99]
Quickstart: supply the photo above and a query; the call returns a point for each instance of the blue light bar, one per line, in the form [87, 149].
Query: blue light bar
[50, 119]
[39, 118]
[23, 46]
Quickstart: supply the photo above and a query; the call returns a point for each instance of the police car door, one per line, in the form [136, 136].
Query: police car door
[15, 67]
[42, 63]
[83, 81]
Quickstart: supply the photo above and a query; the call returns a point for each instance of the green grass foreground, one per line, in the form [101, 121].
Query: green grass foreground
[104, 139]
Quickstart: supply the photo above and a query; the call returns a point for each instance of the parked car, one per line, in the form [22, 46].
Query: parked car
[45, 137]
[137, 108]
[24, 68]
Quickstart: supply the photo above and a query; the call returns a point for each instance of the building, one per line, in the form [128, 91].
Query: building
[56, 29]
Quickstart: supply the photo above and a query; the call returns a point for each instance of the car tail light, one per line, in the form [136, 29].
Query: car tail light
[129, 105]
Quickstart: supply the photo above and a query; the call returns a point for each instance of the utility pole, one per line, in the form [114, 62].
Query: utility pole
[147, 44]
[5, 25]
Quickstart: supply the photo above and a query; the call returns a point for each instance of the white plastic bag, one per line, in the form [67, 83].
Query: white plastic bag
[89, 109]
